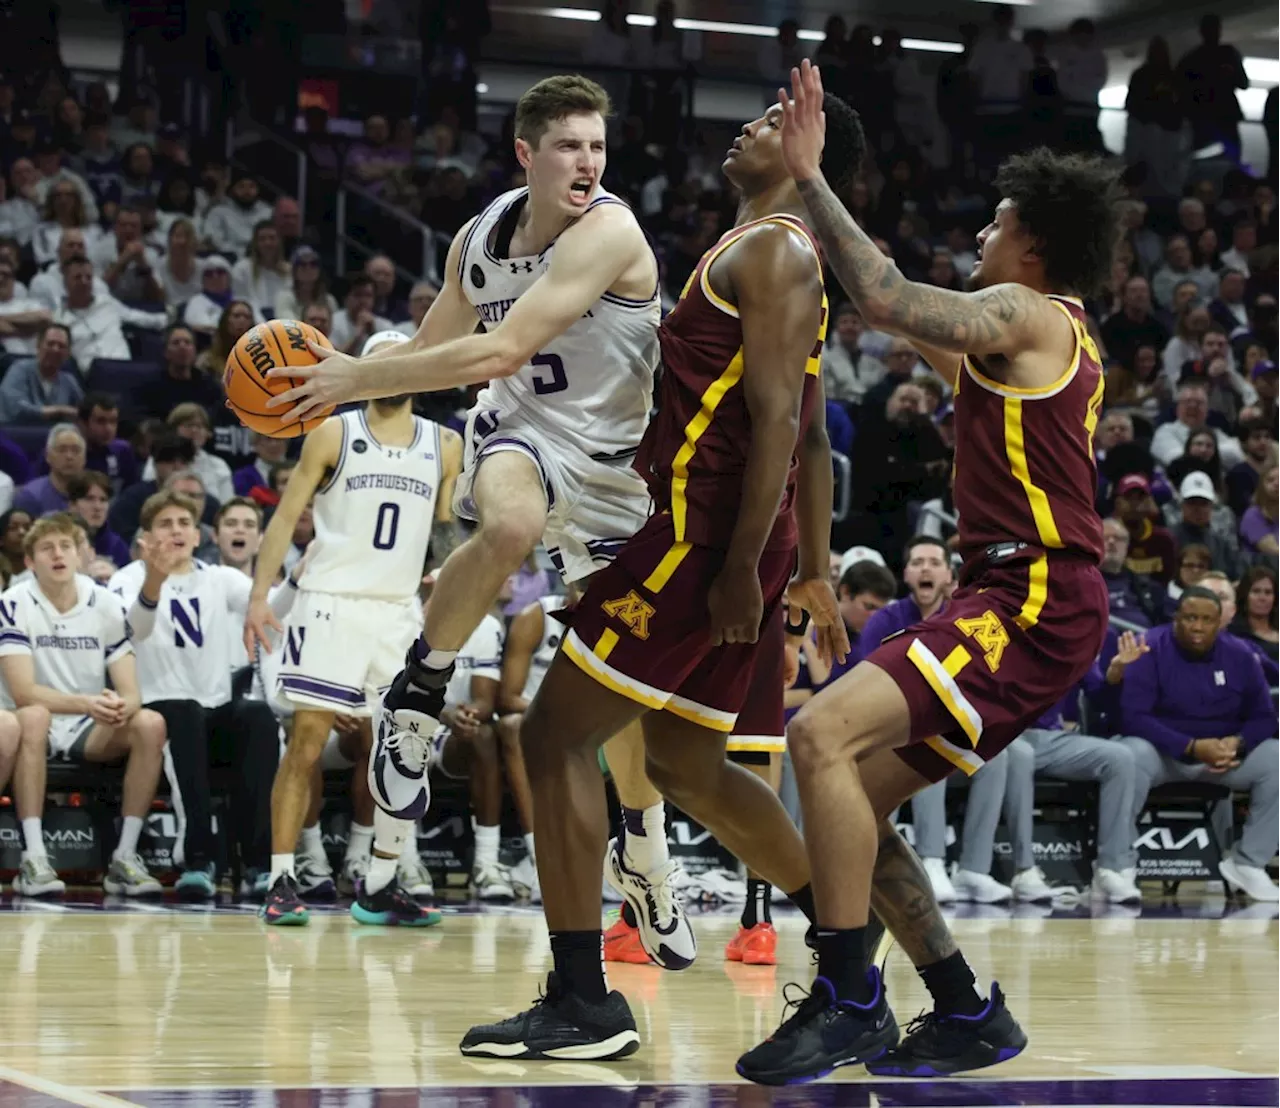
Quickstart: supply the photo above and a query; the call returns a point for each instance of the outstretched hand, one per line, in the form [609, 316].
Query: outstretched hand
[804, 123]
[332, 380]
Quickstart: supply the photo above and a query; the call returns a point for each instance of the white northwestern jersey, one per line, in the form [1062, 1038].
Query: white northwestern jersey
[480, 656]
[374, 513]
[552, 632]
[190, 652]
[592, 384]
[70, 650]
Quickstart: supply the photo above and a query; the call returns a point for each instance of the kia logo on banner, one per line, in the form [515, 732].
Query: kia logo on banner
[1177, 846]
[695, 846]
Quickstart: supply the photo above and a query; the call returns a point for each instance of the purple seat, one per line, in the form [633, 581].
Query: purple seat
[13, 459]
[29, 437]
[122, 379]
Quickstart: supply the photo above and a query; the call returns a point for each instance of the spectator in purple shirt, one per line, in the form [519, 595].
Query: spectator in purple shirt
[89, 498]
[64, 453]
[1260, 526]
[99, 420]
[1197, 708]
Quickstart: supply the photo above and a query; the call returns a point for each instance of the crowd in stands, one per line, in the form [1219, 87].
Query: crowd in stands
[130, 263]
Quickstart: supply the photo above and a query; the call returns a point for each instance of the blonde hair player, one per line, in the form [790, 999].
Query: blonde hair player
[565, 284]
[382, 479]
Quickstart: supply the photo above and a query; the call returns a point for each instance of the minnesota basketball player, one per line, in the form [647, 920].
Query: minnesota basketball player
[671, 632]
[1026, 622]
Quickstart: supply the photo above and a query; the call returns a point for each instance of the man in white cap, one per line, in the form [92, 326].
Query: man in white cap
[382, 481]
[205, 308]
[1198, 499]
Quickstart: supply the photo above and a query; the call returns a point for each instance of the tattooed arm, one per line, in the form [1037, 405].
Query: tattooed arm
[446, 532]
[1004, 320]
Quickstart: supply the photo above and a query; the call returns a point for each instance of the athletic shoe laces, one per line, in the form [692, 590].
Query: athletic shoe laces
[412, 748]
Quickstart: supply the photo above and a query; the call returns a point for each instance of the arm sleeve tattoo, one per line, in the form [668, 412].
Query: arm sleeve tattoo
[961, 322]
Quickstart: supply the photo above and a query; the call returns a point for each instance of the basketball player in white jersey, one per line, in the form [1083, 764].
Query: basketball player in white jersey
[565, 284]
[182, 612]
[382, 479]
[466, 749]
[532, 642]
[61, 638]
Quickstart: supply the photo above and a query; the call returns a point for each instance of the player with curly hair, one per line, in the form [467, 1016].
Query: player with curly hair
[1024, 626]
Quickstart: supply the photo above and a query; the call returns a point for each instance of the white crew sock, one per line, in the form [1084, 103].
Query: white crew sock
[382, 872]
[408, 852]
[129, 832]
[33, 838]
[645, 853]
[359, 841]
[390, 835]
[486, 846]
[528, 844]
[281, 864]
[310, 844]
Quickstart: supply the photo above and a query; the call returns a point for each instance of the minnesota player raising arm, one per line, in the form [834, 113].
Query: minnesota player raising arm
[602, 251]
[1019, 336]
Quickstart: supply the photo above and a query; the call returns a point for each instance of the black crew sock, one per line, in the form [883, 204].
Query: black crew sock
[841, 961]
[628, 914]
[802, 898]
[953, 987]
[579, 963]
[757, 908]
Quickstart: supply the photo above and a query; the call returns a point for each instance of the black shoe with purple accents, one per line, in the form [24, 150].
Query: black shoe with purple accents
[938, 1046]
[821, 1035]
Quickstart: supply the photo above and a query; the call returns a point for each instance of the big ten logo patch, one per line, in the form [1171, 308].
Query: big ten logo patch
[632, 610]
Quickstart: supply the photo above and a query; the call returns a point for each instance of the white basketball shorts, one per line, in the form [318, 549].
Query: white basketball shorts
[595, 503]
[66, 735]
[340, 653]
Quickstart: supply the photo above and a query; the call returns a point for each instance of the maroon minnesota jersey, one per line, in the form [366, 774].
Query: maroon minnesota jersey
[1024, 468]
[694, 453]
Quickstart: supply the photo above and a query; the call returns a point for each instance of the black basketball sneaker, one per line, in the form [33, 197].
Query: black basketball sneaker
[559, 1027]
[282, 906]
[937, 1046]
[823, 1034]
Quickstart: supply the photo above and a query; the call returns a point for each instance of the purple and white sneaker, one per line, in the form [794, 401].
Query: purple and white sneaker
[665, 931]
[938, 1046]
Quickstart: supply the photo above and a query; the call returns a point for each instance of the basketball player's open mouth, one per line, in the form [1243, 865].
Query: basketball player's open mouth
[580, 190]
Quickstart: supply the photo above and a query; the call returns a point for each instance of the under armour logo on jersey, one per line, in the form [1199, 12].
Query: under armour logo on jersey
[633, 611]
[515, 267]
[323, 615]
[1219, 678]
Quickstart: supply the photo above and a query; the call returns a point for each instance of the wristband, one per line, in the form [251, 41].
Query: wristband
[797, 628]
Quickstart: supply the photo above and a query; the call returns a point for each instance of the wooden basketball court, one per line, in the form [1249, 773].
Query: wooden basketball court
[159, 1005]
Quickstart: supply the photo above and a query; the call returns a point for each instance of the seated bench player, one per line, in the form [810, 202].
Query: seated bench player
[466, 748]
[184, 614]
[62, 639]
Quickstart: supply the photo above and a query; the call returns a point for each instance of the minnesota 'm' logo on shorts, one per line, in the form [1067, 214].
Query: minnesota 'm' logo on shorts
[632, 610]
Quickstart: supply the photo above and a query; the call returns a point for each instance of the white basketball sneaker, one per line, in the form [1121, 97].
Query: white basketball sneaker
[665, 932]
[491, 881]
[36, 877]
[414, 878]
[980, 888]
[524, 879]
[1029, 886]
[943, 891]
[407, 721]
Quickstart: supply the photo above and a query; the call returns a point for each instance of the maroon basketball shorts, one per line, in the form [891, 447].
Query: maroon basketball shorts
[1019, 633]
[643, 628]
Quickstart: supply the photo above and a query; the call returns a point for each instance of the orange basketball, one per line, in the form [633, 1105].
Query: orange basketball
[278, 342]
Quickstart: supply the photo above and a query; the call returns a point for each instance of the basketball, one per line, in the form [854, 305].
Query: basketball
[278, 342]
